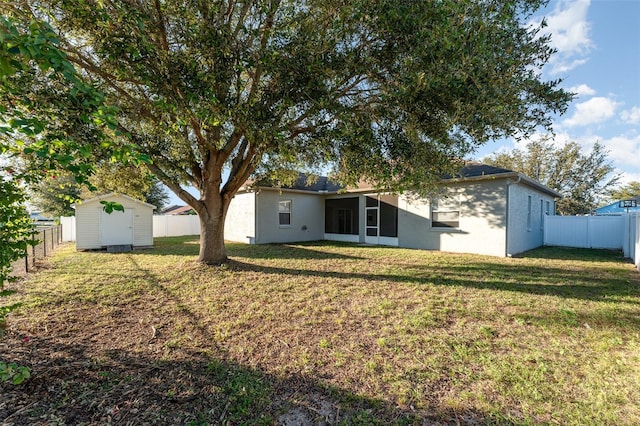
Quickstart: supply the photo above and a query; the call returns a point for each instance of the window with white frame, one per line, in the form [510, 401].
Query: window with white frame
[284, 213]
[445, 213]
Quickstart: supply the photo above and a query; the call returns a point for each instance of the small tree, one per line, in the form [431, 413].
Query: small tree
[56, 194]
[625, 192]
[580, 177]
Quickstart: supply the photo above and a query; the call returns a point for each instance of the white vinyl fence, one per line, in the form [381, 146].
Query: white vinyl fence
[606, 232]
[68, 224]
[175, 226]
[163, 226]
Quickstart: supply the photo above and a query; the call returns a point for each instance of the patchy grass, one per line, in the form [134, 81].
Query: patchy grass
[319, 332]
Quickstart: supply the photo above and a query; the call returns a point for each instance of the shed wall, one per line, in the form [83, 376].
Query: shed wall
[88, 224]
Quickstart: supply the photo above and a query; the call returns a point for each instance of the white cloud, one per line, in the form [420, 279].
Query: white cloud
[570, 35]
[631, 116]
[582, 90]
[624, 151]
[595, 110]
[627, 177]
[569, 27]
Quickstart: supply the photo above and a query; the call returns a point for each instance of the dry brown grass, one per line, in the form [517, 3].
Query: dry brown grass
[328, 332]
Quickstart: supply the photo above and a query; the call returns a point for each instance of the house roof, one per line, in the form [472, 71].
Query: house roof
[111, 195]
[177, 210]
[471, 171]
[475, 169]
[321, 184]
[479, 171]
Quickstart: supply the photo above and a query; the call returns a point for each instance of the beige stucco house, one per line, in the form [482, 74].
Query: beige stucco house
[487, 210]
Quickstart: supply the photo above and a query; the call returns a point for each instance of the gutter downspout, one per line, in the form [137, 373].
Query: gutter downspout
[506, 233]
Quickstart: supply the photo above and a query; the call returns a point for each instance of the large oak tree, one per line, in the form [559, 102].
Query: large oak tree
[392, 91]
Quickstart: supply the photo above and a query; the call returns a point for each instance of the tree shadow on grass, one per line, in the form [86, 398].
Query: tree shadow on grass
[75, 384]
[120, 374]
[572, 253]
[487, 276]
[189, 246]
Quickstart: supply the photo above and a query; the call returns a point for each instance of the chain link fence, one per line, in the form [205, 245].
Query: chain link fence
[49, 238]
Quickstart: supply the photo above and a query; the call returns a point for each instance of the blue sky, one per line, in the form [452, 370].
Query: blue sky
[598, 44]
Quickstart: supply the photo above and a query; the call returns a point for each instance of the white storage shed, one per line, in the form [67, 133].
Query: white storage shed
[97, 229]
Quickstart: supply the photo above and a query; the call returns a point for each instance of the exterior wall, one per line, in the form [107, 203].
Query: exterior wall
[494, 218]
[521, 235]
[88, 226]
[240, 224]
[307, 217]
[482, 227]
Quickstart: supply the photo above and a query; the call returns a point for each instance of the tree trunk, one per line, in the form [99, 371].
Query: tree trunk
[212, 217]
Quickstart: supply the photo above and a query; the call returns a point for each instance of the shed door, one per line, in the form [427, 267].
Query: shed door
[116, 228]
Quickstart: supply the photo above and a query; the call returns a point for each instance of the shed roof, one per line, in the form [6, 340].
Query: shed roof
[111, 195]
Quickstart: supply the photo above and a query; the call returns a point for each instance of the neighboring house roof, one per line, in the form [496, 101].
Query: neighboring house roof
[166, 210]
[615, 209]
[111, 195]
[178, 210]
[471, 171]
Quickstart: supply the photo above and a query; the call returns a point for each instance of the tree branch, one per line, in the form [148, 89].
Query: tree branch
[175, 187]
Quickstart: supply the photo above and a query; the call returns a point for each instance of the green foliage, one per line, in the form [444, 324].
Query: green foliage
[16, 228]
[131, 180]
[625, 192]
[13, 373]
[582, 178]
[110, 206]
[55, 195]
[391, 92]
[50, 114]
[16, 233]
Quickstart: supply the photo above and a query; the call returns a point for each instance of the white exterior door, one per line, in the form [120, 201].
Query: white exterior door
[117, 227]
[372, 227]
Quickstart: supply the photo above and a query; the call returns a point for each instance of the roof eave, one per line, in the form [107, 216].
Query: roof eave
[507, 175]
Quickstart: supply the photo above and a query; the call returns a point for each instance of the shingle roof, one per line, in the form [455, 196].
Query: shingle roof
[322, 184]
[474, 169]
[471, 170]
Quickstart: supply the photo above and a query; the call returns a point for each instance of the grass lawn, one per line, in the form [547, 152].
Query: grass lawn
[325, 333]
